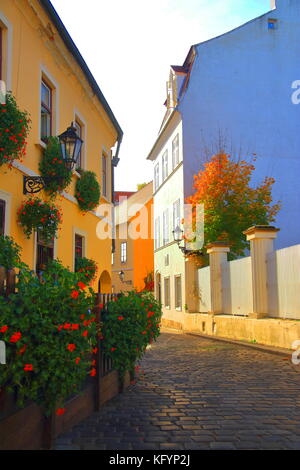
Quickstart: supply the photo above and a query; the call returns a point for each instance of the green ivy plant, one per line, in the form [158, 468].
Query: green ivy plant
[86, 268]
[129, 324]
[51, 335]
[87, 191]
[36, 214]
[14, 129]
[53, 169]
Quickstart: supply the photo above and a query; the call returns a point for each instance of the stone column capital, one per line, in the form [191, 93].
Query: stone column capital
[264, 232]
[218, 247]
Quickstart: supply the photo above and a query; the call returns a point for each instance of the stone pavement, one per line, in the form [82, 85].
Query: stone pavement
[197, 393]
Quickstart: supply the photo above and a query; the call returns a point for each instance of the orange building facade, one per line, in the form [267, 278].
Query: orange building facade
[133, 259]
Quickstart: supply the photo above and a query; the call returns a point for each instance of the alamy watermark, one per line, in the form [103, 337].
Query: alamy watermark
[296, 354]
[134, 223]
[2, 92]
[2, 353]
[296, 94]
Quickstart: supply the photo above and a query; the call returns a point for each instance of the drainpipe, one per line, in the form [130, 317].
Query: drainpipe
[114, 163]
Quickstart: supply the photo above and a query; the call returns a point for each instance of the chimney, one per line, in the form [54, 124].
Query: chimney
[273, 4]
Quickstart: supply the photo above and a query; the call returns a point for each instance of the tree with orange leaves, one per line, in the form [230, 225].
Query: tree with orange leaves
[231, 205]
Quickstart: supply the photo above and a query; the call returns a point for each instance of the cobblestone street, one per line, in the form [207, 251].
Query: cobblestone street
[199, 394]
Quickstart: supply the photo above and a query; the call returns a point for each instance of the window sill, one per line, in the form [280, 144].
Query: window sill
[41, 144]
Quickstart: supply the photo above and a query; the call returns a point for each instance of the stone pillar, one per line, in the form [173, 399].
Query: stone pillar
[217, 255]
[261, 244]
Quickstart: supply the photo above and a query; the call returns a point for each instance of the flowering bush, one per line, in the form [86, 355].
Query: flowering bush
[130, 323]
[87, 191]
[9, 253]
[35, 214]
[14, 129]
[86, 268]
[50, 335]
[53, 169]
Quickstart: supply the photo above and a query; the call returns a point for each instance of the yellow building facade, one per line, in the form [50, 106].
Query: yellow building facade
[42, 67]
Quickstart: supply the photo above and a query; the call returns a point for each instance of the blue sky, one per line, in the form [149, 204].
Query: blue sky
[129, 46]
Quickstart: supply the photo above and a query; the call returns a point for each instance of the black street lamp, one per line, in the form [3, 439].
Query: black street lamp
[178, 238]
[122, 278]
[70, 144]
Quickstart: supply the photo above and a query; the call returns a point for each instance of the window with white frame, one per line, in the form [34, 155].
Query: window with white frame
[167, 292]
[156, 176]
[166, 227]
[157, 233]
[104, 175]
[165, 165]
[79, 131]
[46, 110]
[176, 214]
[123, 252]
[2, 216]
[178, 296]
[175, 151]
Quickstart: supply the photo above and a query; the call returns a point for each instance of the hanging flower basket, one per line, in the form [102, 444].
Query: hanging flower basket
[15, 125]
[35, 214]
[87, 268]
[53, 169]
[87, 191]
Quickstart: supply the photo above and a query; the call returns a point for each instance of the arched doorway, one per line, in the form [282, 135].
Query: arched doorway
[104, 283]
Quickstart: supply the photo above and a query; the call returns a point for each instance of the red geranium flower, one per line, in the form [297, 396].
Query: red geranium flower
[93, 372]
[121, 318]
[95, 350]
[15, 337]
[74, 294]
[60, 411]
[71, 347]
[3, 329]
[22, 350]
[77, 360]
[85, 333]
[81, 285]
[28, 367]
[113, 349]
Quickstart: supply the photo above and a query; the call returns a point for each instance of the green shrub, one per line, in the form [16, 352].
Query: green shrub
[53, 169]
[36, 214]
[9, 253]
[86, 269]
[130, 323]
[87, 191]
[50, 333]
[14, 129]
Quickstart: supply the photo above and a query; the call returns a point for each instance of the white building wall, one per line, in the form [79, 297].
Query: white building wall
[240, 97]
[169, 191]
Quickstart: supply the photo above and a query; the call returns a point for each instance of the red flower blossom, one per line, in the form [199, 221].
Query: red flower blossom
[81, 285]
[15, 337]
[85, 333]
[3, 329]
[28, 367]
[95, 350]
[71, 347]
[93, 372]
[60, 411]
[75, 327]
[113, 349]
[74, 294]
[120, 318]
[77, 360]
[22, 350]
